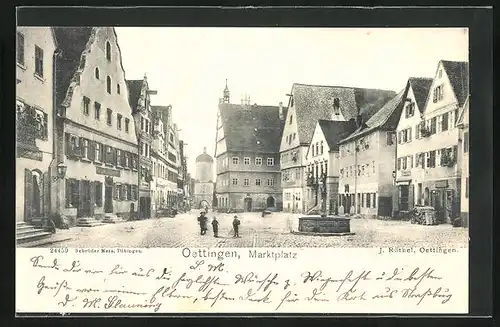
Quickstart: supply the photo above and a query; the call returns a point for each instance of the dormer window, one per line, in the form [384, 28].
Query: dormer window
[410, 109]
[108, 51]
[336, 106]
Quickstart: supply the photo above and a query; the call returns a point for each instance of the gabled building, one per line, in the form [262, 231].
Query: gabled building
[367, 162]
[307, 104]
[409, 170]
[36, 163]
[247, 156]
[95, 129]
[322, 163]
[437, 152]
[140, 102]
[463, 158]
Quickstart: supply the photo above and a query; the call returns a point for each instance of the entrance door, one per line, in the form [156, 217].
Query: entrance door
[437, 201]
[448, 204]
[108, 199]
[270, 202]
[84, 207]
[403, 197]
[248, 204]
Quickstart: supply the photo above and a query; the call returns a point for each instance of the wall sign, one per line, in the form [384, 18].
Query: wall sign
[107, 171]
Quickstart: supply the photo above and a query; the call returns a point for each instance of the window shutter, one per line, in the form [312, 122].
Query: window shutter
[80, 195]
[124, 191]
[92, 196]
[411, 161]
[91, 150]
[68, 192]
[102, 152]
[434, 95]
[28, 194]
[399, 137]
[409, 134]
[115, 156]
[122, 159]
[399, 163]
[115, 192]
[129, 192]
[68, 144]
[81, 147]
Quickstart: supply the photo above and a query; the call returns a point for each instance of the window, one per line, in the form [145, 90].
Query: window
[97, 110]
[246, 182]
[444, 123]
[127, 121]
[147, 125]
[86, 106]
[368, 198]
[246, 160]
[20, 48]
[270, 161]
[440, 73]
[118, 191]
[72, 193]
[96, 73]
[38, 61]
[235, 181]
[410, 109]
[312, 148]
[257, 182]
[438, 93]
[321, 147]
[236, 160]
[97, 149]
[433, 125]
[294, 135]
[258, 161]
[118, 88]
[410, 162]
[336, 106]
[108, 51]
[142, 123]
[390, 138]
[466, 142]
[431, 159]
[109, 116]
[270, 182]
[291, 118]
[108, 84]
[119, 121]
[404, 163]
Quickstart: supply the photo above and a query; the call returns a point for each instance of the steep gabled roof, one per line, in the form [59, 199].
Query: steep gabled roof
[334, 131]
[421, 87]
[386, 118]
[71, 42]
[314, 102]
[458, 74]
[134, 92]
[252, 128]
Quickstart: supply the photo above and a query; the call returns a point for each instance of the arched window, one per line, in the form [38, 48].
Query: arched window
[108, 51]
[108, 84]
[97, 73]
[118, 88]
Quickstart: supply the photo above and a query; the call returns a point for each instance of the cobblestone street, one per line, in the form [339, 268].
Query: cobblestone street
[271, 231]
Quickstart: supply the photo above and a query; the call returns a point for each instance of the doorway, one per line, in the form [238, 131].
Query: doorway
[145, 207]
[33, 194]
[84, 209]
[108, 195]
[248, 204]
[403, 197]
[270, 202]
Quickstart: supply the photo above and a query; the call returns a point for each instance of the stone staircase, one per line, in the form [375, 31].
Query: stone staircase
[26, 233]
[88, 222]
[111, 218]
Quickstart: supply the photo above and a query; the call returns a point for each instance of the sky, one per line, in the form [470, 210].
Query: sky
[189, 66]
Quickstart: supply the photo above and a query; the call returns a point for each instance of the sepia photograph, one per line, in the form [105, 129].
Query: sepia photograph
[232, 137]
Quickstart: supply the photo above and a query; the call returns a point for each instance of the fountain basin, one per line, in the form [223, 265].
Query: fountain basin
[324, 226]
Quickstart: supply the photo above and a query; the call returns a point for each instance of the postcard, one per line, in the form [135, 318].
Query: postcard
[242, 170]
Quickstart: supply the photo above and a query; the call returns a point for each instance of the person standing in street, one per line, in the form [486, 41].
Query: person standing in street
[236, 226]
[215, 227]
[202, 219]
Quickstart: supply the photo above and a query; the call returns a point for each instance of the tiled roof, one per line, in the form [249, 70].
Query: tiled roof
[252, 128]
[72, 42]
[420, 87]
[458, 74]
[335, 130]
[134, 92]
[314, 102]
[386, 118]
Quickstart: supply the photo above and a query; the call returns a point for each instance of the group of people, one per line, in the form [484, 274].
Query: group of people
[203, 219]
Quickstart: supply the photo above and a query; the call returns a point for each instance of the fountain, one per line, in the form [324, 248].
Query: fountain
[323, 224]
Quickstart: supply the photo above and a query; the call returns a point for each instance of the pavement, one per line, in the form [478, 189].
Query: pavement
[272, 231]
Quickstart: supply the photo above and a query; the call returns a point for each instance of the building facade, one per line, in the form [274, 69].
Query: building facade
[409, 170]
[95, 129]
[463, 124]
[322, 164]
[307, 104]
[367, 163]
[140, 102]
[204, 181]
[36, 174]
[438, 149]
[247, 156]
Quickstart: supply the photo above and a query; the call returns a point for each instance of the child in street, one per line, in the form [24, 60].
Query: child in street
[215, 226]
[236, 226]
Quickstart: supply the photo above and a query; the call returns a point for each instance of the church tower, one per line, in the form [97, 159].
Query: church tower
[225, 98]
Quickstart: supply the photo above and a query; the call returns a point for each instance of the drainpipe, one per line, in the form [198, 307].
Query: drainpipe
[56, 151]
[355, 202]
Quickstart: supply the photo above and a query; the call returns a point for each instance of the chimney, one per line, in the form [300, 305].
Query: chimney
[281, 111]
[359, 120]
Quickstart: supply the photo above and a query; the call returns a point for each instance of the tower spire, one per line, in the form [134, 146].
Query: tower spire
[225, 98]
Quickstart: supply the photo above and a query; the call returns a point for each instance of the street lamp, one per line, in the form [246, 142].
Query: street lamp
[61, 171]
